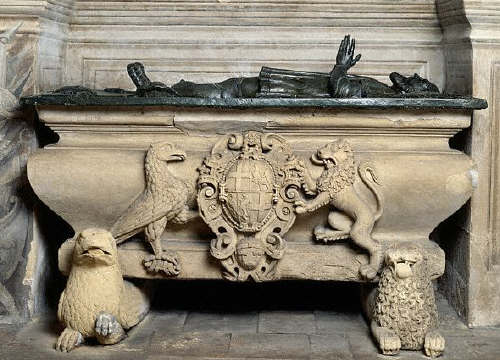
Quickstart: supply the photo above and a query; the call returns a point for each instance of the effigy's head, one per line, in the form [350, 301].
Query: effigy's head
[94, 247]
[333, 154]
[412, 84]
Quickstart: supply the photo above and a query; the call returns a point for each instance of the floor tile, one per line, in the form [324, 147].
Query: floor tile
[286, 322]
[333, 346]
[191, 343]
[330, 322]
[278, 346]
[230, 322]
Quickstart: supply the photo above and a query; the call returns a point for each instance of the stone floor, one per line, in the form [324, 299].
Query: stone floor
[246, 331]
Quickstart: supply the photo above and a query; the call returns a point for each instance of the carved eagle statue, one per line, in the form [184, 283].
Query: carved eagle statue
[165, 199]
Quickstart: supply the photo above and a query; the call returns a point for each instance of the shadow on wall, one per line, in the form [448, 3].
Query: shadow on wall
[450, 237]
[53, 232]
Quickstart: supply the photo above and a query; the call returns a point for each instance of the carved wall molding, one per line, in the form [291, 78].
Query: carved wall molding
[241, 37]
[418, 13]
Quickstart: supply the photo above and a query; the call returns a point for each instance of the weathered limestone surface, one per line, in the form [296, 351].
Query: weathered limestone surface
[211, 40]
[16, 141]
[303, 261]
[95, 171]
[471, 43]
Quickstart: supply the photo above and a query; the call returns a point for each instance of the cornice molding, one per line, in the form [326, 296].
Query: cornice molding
[366, 13]
[477, 21]
[56, 10]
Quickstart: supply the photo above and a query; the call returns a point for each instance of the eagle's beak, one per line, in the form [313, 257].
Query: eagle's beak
[178, 155]
[95, 251]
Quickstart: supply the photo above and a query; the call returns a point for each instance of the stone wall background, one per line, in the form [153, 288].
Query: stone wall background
[454, 43]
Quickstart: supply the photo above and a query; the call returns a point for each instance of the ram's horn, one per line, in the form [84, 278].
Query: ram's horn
[315, 160]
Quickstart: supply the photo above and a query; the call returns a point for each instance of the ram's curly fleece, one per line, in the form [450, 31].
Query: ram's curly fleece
[407, 306]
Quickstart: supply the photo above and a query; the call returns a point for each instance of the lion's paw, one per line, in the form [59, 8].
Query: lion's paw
[389, 342]
[434, 344]
[327, 235]
[367, 272]
[300, 207]
[68, 340]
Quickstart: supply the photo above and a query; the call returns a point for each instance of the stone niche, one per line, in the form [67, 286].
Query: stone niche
[453, 43]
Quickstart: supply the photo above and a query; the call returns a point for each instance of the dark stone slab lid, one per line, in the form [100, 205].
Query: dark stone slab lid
[105, 99]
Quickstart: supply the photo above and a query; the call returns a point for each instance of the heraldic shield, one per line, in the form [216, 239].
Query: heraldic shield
[246, 192]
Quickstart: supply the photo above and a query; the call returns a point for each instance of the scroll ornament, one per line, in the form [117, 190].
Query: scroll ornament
[246, 193]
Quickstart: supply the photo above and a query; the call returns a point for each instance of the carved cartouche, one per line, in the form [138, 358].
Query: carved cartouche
[246, 191]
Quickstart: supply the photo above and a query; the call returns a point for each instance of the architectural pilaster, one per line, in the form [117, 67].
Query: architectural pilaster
[471, 42]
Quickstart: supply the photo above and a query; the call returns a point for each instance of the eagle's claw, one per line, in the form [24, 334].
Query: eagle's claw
[167, 262]
[68, 340]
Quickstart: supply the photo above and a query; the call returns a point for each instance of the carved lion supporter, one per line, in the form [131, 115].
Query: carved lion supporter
[97, 302]
[350, 216]
[403, 309]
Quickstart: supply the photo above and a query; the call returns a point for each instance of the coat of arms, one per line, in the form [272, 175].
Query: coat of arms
[246, 193]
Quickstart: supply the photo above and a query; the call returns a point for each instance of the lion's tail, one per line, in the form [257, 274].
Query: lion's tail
[364, 169]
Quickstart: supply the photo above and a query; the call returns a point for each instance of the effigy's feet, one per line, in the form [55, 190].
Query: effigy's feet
[167, 262]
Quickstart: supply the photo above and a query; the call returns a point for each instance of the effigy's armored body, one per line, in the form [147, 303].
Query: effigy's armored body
[289, 83]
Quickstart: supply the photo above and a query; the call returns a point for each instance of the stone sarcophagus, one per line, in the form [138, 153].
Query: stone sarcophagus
[294, 189]
[252, 189]
[286, 175]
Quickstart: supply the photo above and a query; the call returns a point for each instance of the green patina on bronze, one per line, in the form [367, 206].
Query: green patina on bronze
[272, 88]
